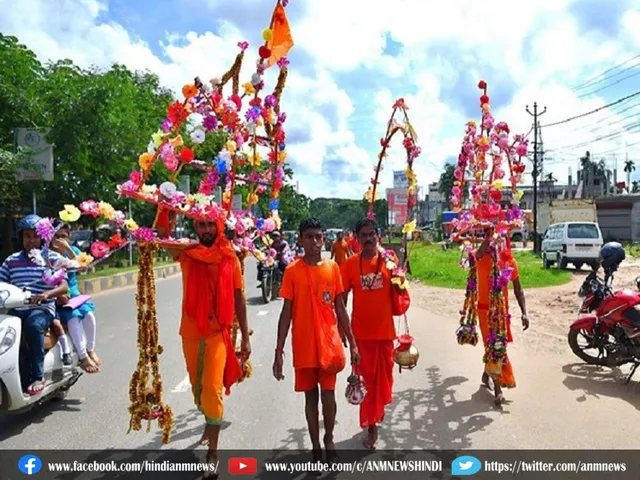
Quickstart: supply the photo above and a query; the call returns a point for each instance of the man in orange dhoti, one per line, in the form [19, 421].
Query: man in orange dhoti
[506, 378]
[212, 294]
[372, 321]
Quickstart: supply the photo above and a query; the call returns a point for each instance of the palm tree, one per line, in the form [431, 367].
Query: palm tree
[629, 166]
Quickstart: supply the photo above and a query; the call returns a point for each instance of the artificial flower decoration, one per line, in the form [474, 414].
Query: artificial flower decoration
[70, 214]
[99, 249]
[84, 259]
[45, 230]
[488, 163]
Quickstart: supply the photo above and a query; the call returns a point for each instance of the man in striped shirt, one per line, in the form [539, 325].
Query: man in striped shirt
[21, 271]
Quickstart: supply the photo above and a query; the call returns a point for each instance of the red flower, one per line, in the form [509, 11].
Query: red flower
[408, 143]
[186, 154]
[237, 100]
[177, 113]
[484, 99]
[482, 84]
[256, 102]
[116, 241]
[399, 103]
[264, 52]
[496, 195]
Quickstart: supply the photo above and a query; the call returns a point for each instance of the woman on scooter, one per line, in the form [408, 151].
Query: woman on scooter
[80, 321]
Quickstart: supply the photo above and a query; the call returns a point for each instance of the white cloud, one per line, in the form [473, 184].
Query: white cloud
[536, 44]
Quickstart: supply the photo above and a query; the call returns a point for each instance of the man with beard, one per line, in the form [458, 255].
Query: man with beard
[372, 322]
[212, 293]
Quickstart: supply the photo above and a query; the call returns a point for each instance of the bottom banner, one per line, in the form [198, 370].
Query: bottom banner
[383, 464]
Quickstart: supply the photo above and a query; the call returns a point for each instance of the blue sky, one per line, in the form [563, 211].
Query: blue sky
[353, 59]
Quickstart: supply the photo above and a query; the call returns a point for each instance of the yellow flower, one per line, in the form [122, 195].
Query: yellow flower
[158, 137]
[248, 89]
[276, 219]
[84, 259]
[149, 189]
[70, 214]
[252, 199]
[255, 159]
[260, 256]
[106, 210]
[498, 184]
[177, 141]
[519, 194]
[267, 34]
[226, 197]
[409, 227]
[130, 225]
[400, 282]
[282, 156]
[231, 146]
[145, 161]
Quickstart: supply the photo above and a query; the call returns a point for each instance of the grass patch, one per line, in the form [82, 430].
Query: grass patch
[104, 272]
[438, 268]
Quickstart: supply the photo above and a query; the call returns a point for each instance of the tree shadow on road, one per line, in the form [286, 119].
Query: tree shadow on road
[14, 424]
[430, 418]
[596, 381]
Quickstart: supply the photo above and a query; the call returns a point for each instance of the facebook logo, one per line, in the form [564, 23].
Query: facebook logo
[30, 464]
[466, 465]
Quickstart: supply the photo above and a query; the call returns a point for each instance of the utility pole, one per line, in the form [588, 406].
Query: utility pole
[536, 125]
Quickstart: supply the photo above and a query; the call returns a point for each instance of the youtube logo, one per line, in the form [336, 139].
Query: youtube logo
[243, 466]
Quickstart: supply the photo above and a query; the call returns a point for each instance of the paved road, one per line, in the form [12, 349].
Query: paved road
[438, 405]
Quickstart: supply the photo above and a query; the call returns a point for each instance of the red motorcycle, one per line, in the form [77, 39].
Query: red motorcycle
[612, 328]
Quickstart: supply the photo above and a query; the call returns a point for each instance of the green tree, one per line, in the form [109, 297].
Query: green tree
[447, 180]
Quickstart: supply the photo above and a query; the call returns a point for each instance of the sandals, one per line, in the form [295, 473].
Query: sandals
[88, 366]
[95, 359]
[37, 387]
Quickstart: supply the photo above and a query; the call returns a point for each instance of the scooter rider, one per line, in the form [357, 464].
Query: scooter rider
[21, 271]
[282, 248]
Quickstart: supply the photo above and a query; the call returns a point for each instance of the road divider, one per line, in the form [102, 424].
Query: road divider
[93, 286]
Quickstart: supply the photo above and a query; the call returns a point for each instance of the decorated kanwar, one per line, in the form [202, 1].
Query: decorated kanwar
[487, 215]
[376, 278]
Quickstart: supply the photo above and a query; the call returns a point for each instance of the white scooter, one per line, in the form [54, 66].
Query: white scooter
[59, 377]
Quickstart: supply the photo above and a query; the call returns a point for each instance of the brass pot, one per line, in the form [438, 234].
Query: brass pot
[406, 359]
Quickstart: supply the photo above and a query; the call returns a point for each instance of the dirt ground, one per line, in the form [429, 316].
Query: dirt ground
[551, 309]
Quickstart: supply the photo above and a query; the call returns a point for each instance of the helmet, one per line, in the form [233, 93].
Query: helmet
[28, 223]
[611, 255]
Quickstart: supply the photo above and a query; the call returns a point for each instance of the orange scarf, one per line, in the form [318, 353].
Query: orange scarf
[203, 286]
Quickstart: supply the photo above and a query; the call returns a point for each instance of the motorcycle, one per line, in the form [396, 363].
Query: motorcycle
[611, 324]
[59, 377]
[271, 281]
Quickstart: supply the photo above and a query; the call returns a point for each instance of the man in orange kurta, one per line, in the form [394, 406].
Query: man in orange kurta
[311, 289]
[484, 261]
[372, 322]
[212, 294]
[339, 250]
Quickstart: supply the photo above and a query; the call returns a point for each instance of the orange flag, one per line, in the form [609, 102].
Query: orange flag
[281, 40]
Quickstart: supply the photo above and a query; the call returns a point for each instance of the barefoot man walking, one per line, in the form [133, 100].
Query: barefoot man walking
[212, 293]
[372, 321]
[312, 289]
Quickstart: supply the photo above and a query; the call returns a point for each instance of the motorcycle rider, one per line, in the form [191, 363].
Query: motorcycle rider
[21, 271]
[281, 247]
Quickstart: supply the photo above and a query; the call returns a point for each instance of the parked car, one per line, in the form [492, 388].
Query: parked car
[577, 243]
[82, 239]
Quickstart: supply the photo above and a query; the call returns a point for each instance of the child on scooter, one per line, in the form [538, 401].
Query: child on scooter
[80, 321]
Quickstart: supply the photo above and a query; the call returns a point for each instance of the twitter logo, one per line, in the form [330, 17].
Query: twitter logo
[465, 466]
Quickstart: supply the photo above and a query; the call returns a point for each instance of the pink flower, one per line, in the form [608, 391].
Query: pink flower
[283, 62]
[90, 207]
[144, 234]
[99, 249]
[136, 177]
[243, 45]
[45, 230]
[171, 162]
[53, 277]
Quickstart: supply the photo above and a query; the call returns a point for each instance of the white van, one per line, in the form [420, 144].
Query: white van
[577, 243]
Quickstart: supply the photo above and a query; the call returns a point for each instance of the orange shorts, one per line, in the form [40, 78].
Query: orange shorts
[308, 378]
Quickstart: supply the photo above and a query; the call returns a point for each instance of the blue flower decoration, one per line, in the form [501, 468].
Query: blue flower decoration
[222, 166]
[260, 224]
[274, 204]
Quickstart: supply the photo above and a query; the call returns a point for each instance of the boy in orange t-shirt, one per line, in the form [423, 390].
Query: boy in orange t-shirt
[307, 277]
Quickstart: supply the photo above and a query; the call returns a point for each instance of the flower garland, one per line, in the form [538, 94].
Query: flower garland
[146, 402]
[495, 355]
[487, 155]
[467, 333]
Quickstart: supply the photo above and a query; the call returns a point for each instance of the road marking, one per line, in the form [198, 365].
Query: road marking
[183, 386]
[262, 313]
